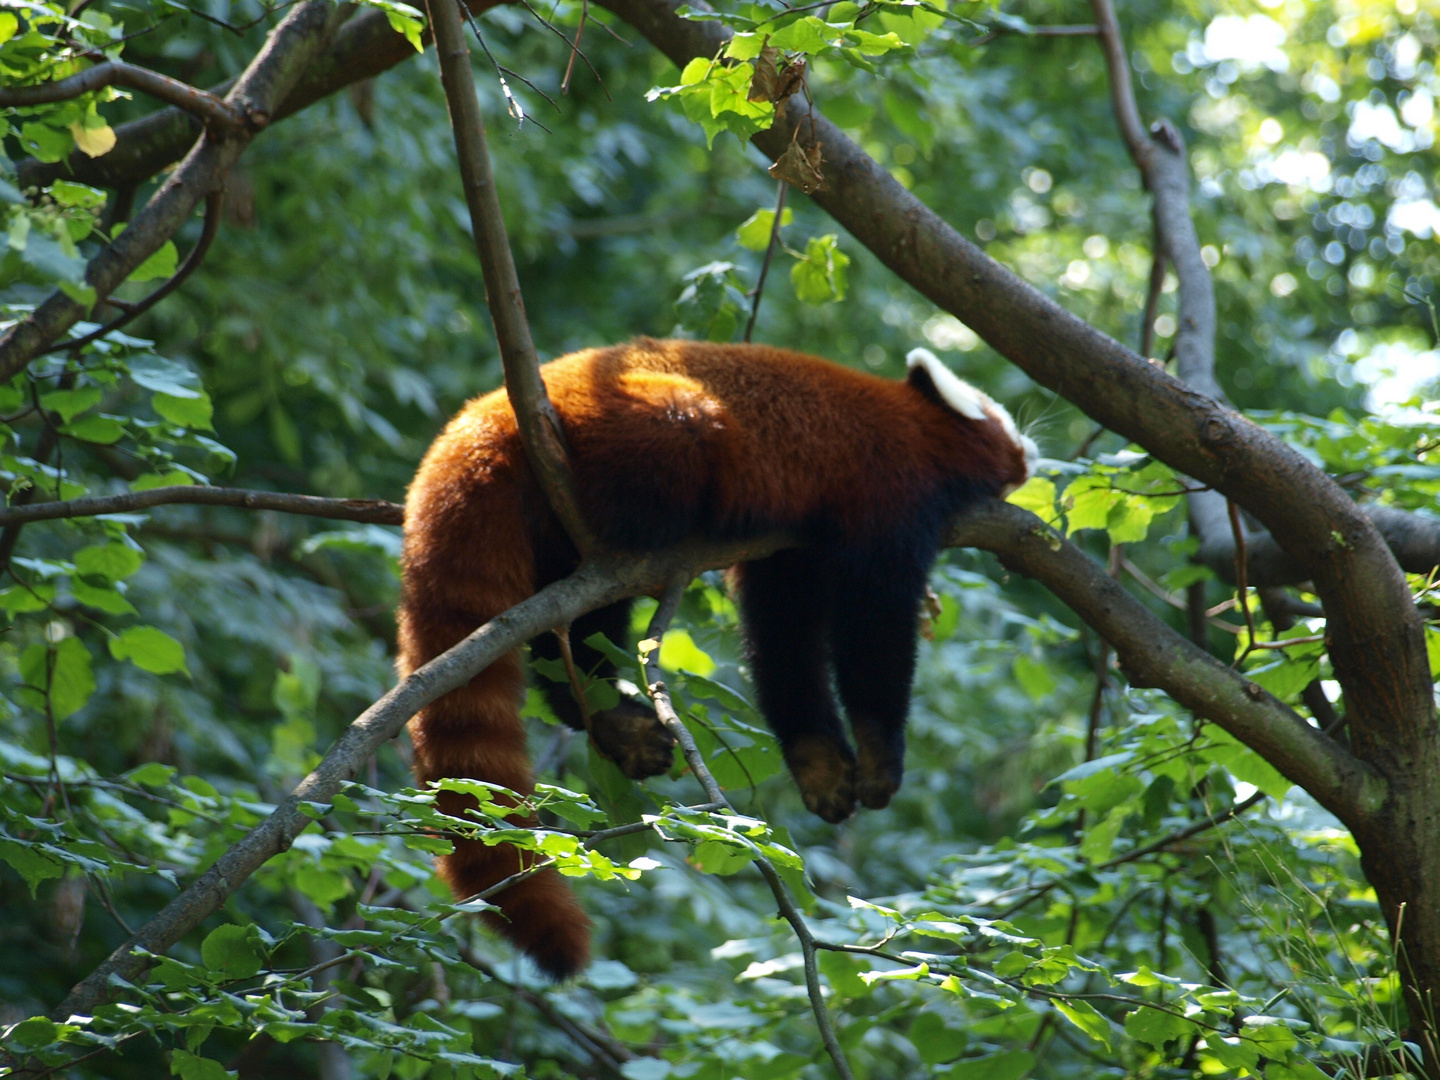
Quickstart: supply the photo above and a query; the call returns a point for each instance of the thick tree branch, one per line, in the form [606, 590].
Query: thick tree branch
[1378, 640]
[213, 110]
[541, 431]
[1152, 654]
[271, 75]
[376, 511]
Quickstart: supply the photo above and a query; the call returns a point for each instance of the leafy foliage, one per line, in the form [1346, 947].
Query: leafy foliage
[1078, 878]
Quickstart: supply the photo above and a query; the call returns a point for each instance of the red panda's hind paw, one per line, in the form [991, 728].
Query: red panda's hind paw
[632, 736]
[877, 777]
[824, 771]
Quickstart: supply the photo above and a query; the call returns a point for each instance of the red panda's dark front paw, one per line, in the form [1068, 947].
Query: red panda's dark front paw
[632, 736]
[824, 771]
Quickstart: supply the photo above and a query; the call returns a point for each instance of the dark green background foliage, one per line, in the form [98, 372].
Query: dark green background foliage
[192, 663]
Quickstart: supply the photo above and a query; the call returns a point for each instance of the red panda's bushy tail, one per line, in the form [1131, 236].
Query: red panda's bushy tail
[476, 732]
[468, 558]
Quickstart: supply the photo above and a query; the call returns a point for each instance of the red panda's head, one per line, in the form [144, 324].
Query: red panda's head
[975, 404]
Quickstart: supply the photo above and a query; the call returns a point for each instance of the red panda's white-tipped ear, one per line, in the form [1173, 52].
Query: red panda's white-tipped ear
[951, 389]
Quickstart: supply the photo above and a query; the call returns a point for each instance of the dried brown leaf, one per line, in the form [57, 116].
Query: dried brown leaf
[799, 166]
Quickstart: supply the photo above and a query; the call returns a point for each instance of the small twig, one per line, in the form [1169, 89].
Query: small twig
[129, 311]
[575, 48]
[1185, 833]
[213, 110]
[375, 511]
[769, 254]
[577, 687]
[665, 710]
[574, 45]
[1237, 529]
[603, 1047]
[997, 30]
[1152, 299]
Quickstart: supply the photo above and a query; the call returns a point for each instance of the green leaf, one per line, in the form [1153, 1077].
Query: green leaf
[71, 403]
[1100, 839]
[151, 774]
[754, 234]
[160, 264]
[37, 1031]
[188, 1066]
[82, 196]
[1033, 676]
[101, 430]
[149, 649]
[188, 412]
[65, 669]
[1284, 677]
[164, 376]
[1083, 1015]
[819, 277]
[1232, 1051]
[934, 1040]
[18, 599]
[230, 951]
[717, 857]
[104, 598]
[1038, 496]
[809, 35]
[1157, 1027]
[31, 862]
[112, 562]
[678, 652]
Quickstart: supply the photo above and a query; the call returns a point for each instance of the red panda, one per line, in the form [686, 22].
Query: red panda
[678, 439]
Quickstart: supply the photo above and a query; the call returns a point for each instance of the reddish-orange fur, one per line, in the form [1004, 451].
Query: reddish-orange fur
[668, 439]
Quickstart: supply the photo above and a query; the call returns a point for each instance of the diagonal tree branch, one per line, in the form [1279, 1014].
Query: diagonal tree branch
[376, 511]
[272, 73]
[1378, 642]
[365, 46]
[208, 107]
[1152, 654]
[601, 581]
[541, 432]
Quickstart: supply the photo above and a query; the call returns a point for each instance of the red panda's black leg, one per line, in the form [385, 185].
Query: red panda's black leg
[785, 605]
[629, 734]
[872, 643]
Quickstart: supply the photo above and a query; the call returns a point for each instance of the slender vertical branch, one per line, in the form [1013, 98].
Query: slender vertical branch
[789, 911]
[769, 254]
[541, 431]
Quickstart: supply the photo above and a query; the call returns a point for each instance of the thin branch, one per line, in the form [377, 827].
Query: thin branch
[789, 911]
[275, 69]
[1237, 528]
[780, 190]
[541, 431]
[997, 30]
[575, 48]
[1181, 835]
[574, 45]
[603, 1047]
[215, 111]
[213, 202]
[375, 511]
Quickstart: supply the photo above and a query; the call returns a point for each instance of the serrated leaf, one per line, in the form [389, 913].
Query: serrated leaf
[160, 264]
[231, 951]
[150, 649]
[113, 562]
[188, 412]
